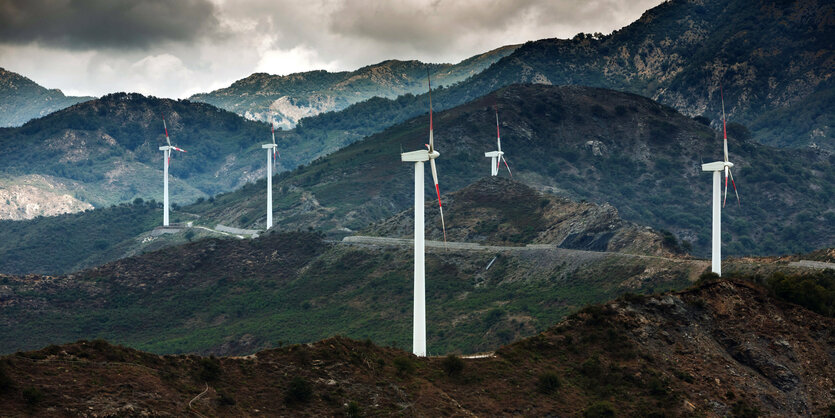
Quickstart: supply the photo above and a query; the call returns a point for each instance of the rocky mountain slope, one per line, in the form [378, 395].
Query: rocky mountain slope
[286, 99]
[21, 99]
[36, 195]
[641, 157]
[500, 211]
[773, 58]
[724, 348]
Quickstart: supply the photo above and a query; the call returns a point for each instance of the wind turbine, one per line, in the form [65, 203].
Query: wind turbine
[166, 149]
[717, 167]
[497, 157]
[272, 153]
[418, 157]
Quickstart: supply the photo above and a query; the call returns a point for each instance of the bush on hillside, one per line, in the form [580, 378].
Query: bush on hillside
[453, 365]
[548, 382]
[299, 391]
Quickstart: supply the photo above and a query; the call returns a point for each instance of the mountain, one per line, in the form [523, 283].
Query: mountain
[499, 211]
[229, 296]
[286, 99]
[722, 348]
[21, 99]
[775, 60]
[637, 156]
[641, 157]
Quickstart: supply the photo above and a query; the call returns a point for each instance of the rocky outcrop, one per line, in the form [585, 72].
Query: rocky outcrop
[496, 210]
[28, 197]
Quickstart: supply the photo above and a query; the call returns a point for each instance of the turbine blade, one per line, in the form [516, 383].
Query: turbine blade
[438, 191]
[738, 203]
[498, 135]
[272, 128]
[166, 131]
[724, 124]
[508, 167]
[431, 139]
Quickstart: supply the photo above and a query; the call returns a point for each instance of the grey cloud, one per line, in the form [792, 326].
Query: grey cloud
[84, 24]
[440, 23]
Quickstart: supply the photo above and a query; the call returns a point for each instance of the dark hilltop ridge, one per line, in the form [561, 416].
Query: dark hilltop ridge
[721, 348]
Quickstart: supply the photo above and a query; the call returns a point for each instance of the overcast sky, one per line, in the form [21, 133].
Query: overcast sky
[175, 48]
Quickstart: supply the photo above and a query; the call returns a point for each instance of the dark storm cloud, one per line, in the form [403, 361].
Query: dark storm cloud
[83, 24]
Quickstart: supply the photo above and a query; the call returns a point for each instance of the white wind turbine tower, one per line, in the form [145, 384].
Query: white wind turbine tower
[497, 157]
[717, 167]
[418, 157]
[166, 149]
[272, 153]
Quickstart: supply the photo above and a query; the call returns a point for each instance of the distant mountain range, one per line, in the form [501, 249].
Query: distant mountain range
[286, 99]
[582, 143]
[21, 99]
[774, 59]
[585, 143]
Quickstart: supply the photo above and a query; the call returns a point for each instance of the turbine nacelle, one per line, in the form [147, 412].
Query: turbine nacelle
[717, 166]
[496, 154]
[419, 155]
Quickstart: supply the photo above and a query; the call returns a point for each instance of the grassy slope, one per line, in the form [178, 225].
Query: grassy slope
[234, 296]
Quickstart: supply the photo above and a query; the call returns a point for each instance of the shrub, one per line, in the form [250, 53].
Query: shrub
[548, 382]
[209, 369]
[32, 395]
[6, 382]
[299, 391]
[225, 399]
[353, 410]
[599, 409]
[701, 119]
[591, 368]
[453, 365]
[404, 366]
[743, 410]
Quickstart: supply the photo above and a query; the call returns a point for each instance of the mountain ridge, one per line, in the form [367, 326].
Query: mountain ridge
[21, 99]
[288, 98]
[722, 347]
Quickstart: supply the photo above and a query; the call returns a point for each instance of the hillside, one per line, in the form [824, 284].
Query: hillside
[21, 99]
[235, 296]
[286, 99]
[499, 211]
[774, 59]
[723, 348]
[583, 143]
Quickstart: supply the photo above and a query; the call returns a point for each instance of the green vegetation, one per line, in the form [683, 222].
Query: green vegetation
[452, 365]
[405, 366]
[548, 382]
[600, 409]
[813, 291]
[65, 243]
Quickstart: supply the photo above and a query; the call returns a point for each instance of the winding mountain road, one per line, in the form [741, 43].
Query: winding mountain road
[467, 246]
